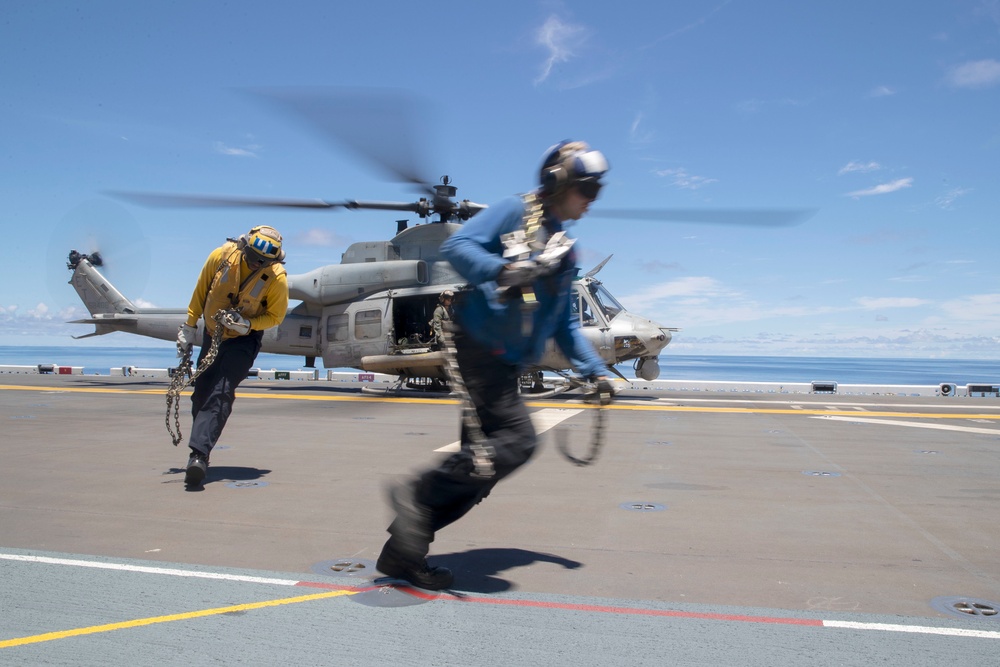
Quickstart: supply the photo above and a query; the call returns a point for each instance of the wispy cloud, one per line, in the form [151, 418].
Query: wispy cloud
[982, 308]
[691, 289]
[690, 26]
[882, 189]
[657, 265]
[881, 91]
[975, 74]
[320, 237]
[562, 42]
[637, 134]
[247, 151]
[756, 105]
[680, 178]
[946, 200]
[881, 303]
[854, 165]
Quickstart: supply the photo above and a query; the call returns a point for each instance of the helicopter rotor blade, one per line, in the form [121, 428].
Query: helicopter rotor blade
[380, 125]
[734, 216]
[161, 200]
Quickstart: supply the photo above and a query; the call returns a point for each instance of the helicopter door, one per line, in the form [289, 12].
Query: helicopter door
[369, 330]
[336, 347]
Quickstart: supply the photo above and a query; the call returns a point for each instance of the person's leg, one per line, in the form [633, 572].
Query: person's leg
[442, 495]
[213, 398]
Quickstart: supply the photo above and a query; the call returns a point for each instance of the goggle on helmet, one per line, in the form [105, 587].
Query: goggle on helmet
[263, 244]
[573, 163]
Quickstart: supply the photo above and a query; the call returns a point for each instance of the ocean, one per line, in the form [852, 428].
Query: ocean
[99, 361]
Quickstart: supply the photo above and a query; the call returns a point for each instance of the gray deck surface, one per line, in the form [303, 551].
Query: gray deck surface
[714, 529]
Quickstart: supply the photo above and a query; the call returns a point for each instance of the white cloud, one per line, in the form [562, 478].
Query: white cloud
[854, 165]
[881, 91]
[885, 188]
[975, 74]
[982, 308]
[680, 178]
[561, 40]
[691, 286]
[873, 303]
[320, 237]
[637, 134]
[947, 199]
[222, 148]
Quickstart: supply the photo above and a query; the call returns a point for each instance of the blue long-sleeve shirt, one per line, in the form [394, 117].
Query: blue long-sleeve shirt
[476, 253]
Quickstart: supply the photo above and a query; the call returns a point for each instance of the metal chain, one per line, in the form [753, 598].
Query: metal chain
[178, 382]
[593, 395]
[482, 453]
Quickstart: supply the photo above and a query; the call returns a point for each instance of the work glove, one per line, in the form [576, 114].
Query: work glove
[236, 322]
[185, 339]
[519, 274]
[523, 272]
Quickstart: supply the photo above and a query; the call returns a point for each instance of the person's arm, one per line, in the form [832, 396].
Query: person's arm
[475, 250]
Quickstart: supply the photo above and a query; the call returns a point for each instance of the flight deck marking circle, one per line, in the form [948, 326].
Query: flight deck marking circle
[393, 593]
[643, 507]
[246, 484]
[346, 567]
[965, 607]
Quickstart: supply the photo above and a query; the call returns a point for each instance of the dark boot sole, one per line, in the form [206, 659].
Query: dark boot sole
[194, 476]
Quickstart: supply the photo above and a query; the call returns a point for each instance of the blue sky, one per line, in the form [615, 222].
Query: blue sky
[884, 116]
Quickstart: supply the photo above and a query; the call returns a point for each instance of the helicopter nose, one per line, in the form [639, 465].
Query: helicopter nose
[654, 337]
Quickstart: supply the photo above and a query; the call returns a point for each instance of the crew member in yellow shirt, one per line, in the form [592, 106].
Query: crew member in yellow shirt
[245, 278]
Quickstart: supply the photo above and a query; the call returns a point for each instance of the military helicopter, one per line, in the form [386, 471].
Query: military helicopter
[373, 310]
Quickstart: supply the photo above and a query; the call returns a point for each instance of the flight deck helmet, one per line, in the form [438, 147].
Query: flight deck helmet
[572, 163]
[262, 244]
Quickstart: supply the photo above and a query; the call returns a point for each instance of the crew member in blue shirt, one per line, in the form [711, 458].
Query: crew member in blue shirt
[520, 267]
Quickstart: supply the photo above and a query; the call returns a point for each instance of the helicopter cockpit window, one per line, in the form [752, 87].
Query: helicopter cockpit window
[581, 310]
[368, 324]
[603, 299]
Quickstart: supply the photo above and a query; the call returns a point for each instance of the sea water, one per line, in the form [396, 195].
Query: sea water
[100, 360]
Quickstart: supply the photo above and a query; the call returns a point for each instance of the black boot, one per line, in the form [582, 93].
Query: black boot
[417, 572]
[197, 468]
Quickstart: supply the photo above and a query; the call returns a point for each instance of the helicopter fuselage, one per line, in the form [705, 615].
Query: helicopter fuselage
[373, 311]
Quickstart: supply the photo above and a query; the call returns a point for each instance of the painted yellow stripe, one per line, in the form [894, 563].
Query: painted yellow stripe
[50, 636]
[534, 404]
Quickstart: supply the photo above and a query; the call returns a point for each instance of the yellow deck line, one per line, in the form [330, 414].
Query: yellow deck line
[50, 636]
[537, 404]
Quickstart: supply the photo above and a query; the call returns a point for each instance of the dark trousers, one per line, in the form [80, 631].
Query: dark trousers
[215, 389]
[449, 490]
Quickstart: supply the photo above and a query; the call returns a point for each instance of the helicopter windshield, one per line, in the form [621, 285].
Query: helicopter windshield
[603, 299]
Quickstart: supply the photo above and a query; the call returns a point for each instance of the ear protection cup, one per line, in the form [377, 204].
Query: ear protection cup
[559, 165]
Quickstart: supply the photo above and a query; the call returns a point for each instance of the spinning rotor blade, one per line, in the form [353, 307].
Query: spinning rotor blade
[734, 216]
[162, 200]
[207, 201]
[379, 125]
[102, 228]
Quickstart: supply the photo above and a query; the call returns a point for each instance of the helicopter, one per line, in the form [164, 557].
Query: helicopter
[372, 311]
